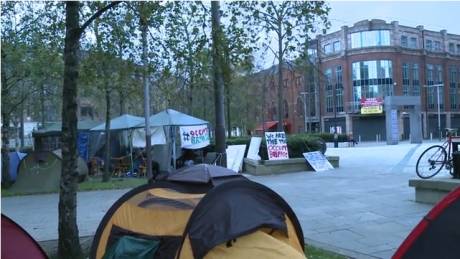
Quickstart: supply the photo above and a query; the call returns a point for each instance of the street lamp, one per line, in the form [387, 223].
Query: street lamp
[439, 106]
[304, 97]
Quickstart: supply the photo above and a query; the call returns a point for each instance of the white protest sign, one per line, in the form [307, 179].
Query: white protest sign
[235, 155]
[318, 161]
[194, 137]
[276, 145]
[254, 146]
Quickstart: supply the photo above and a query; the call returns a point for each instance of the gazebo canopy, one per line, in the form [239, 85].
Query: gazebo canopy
[123, 122]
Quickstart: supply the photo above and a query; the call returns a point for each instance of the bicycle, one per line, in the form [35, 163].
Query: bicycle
[434, 158]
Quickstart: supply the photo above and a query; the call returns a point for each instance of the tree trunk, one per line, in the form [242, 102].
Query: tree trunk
[148, 134]
[107, 173]
[6, 179]
[280, 77]
[229, 123]
[69, 243]
[21, 125]
[122, 102]
[218, 82]
[42, 103]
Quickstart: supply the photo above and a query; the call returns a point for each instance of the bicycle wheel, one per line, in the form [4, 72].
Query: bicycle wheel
[431, 162]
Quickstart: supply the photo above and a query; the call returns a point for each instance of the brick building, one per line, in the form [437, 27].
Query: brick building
[368, 61]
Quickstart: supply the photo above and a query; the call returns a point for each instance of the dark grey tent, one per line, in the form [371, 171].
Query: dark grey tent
[40, 172]
[201, 173]
[237, 218]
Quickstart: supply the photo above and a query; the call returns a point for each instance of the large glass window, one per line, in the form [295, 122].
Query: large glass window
[415, 80]
[431, 78]
[404, 41]
[371, 79]
[429, 45]
[328, 48]
[437, 46]
[451, 48]
[413, 42]
[329, 91]
[405, 77]
[452, 89]
[370, 38]
[339, 89]
[337, 46]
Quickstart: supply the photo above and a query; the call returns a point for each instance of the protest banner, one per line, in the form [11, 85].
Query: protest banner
[318, 161]
[194, 137]
[276, 145]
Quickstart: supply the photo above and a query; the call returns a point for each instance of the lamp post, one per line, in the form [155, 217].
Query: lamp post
[304, 98]
[439, 106]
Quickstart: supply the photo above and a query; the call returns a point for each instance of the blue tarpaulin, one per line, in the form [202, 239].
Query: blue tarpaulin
[82, 144]
[15, 158]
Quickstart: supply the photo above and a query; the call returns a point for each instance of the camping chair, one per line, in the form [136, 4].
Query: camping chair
[121, 165]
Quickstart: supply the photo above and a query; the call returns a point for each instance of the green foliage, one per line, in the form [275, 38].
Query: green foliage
[297, 145]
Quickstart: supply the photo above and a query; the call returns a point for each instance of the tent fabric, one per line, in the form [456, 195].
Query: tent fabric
[15, 158]
[132, 247]
[158, 137]
[40, 172]
[178, 214]
[255, 245]
[170, 117]
[201, 173]
[438, 233]
[17, 243]
[123, 122]
[232, 210]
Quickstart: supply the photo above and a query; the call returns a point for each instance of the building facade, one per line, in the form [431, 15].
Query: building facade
[369, 61]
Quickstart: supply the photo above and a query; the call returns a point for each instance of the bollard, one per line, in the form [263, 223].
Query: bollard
[456, 164]
[431, 136]
[336, 140]
[359, 138]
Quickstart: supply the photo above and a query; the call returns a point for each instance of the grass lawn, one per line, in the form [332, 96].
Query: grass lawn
[92, 184]
[318, 253]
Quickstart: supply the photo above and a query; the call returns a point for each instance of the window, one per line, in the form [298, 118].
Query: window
[405, 77]
[298, 81]
[458, 49]
[453, 94]
[430, 81]
[286, 109]
[285, 83]
[329, 91]
[415, 80]
[328, 49]
[437, 46]
[337, 46]
[429, 45]
[372, 78]
[451, 48]
[339, 89]
[404, 41]
[370, 38]
[413, 42]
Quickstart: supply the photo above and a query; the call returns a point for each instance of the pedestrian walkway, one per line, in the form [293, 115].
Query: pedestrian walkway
[363, 209]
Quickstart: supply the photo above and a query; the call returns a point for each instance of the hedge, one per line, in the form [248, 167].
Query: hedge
[297, 145]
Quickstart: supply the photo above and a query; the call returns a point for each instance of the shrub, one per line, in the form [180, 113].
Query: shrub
[297, 145]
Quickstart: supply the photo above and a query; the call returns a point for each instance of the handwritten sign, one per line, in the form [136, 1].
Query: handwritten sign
[194, 137]
[276, 145]
[318, 161]
[235, 155]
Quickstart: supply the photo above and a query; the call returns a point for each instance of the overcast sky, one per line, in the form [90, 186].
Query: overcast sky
[433, 15]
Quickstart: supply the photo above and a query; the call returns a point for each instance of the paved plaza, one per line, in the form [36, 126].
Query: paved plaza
[364, 209]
